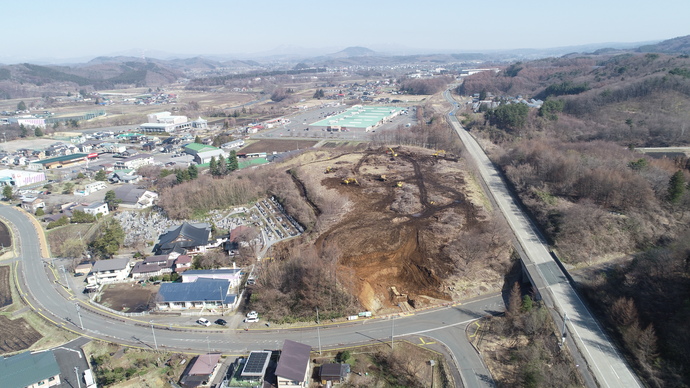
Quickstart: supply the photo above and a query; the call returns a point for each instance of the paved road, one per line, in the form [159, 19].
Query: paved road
[607, 365]
[46, 296]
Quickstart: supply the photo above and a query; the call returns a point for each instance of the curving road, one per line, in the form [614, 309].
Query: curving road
[602, 357]
[40, 287]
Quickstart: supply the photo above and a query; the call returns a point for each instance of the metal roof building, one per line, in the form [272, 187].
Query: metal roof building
[202, 293]
[293, 366]
[28, 369]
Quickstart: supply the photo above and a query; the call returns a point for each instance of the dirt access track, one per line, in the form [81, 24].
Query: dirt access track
[405, 208]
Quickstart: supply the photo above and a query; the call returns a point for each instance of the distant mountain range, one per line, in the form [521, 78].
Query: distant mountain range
[107, 72]
[680, 45]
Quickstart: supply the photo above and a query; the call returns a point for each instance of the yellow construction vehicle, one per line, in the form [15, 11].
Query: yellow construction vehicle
[383, 178]
[439, 153]
[348, 181]
[392, 152]
[328, 170]
[399, 184]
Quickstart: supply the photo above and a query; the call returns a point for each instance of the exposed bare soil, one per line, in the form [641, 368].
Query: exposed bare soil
[5, 237]
[128, 297]
[16, 334]
[5, 291]
[394, 233]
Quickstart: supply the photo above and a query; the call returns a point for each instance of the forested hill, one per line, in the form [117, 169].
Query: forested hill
[680, 45]
[640, 99]
[573, 164]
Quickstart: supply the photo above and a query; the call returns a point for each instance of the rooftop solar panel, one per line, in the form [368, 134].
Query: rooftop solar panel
[256, 364]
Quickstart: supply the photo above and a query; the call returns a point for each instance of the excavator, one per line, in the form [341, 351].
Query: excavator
[393, 153]
[328, 170]
[348, 181]
[440, 153]
[383, 178]
[399, 184]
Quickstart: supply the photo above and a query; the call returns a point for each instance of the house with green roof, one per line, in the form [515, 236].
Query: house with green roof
[203, 153]
[28, 369]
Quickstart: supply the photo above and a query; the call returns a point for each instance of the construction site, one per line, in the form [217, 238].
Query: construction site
[416, 230]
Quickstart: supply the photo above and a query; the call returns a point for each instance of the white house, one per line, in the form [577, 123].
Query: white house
[109, 271]
[97, 207]
[90, 188]
[134, 162]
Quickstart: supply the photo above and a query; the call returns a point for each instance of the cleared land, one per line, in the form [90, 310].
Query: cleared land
[400, 229]
[5, 291]
[128, 297]
[16, 334]
[5, 237]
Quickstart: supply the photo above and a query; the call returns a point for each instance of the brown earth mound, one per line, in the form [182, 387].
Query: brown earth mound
[405, 211]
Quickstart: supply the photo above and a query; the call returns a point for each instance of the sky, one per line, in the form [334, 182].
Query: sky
[76, 28]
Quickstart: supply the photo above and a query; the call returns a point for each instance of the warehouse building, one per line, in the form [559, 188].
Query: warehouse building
[61, 161]
[21, 178]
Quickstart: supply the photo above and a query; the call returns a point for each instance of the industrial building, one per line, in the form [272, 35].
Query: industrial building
[61, 161]
[165, 122]
[359, 117]
[21, 178]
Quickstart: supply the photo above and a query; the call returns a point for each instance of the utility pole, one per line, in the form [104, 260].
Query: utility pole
[392, 331]
[76, 304]
[155, 343]
[220, 291]
[318, 332]
[64, 272]
[565, 316]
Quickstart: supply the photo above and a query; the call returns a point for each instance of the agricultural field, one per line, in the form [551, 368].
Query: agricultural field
[17, 334]
[5, 290]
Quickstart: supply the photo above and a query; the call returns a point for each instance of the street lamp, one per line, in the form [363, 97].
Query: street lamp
[76, 305]
[155, 343]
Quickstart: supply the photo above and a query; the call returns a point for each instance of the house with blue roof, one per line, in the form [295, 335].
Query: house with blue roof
[202, 294]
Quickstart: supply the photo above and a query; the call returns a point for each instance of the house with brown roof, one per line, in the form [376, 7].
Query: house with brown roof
[201, 371]
[293, 365]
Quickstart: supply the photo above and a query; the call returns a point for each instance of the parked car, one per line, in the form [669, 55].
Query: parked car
[251, 320]
[252, 315]
[203, 321]
[221, 322]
